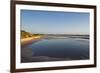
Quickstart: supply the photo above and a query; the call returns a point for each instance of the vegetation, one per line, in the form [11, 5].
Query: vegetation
[25, 34]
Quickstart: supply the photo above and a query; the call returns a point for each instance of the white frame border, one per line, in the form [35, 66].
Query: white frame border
[59, 63]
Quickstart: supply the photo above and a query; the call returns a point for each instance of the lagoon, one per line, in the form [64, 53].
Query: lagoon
[58, 49]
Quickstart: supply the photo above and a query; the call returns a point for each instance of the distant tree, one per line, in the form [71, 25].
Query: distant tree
[25, 34]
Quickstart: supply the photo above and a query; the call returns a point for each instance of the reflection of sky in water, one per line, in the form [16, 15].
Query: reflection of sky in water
[62, 48]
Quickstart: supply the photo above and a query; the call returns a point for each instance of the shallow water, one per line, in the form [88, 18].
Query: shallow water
[60, 49]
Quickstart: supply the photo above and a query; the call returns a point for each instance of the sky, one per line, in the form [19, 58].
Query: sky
[54, 22]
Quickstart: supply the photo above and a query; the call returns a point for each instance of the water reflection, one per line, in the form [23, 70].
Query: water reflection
[51, 49]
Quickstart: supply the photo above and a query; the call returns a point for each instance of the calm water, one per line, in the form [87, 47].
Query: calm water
[60, 49]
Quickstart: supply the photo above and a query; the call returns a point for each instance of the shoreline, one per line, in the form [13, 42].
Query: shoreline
[29, 40]
[27, 55]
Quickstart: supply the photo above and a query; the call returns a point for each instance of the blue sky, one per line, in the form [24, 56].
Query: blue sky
[52, 22]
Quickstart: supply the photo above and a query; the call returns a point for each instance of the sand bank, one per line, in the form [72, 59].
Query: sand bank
[29, 40]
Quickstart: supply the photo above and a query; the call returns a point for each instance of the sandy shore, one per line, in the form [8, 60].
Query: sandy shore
[26, 53]
[29, 40]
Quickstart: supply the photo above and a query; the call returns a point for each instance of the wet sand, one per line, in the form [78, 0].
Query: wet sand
[41, 59]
